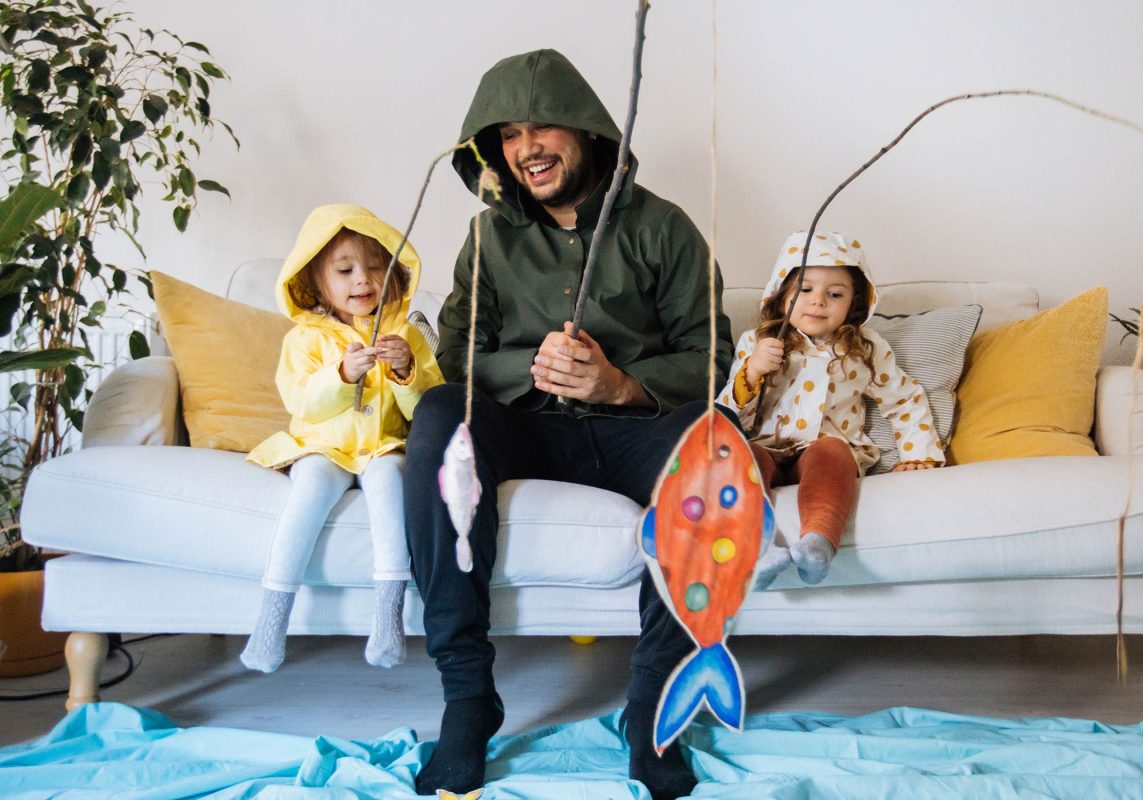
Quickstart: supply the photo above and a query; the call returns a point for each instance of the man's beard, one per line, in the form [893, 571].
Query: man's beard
[569, 189]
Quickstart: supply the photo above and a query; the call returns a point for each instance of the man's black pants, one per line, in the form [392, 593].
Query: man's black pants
[622, 454]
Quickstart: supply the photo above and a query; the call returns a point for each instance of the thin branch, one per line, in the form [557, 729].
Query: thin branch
[621, 167]
[470, 144]
[970, 96]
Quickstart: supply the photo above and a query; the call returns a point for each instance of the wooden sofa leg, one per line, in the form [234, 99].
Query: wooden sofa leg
[86, 654]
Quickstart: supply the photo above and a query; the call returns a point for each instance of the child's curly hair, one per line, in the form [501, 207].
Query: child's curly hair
[848, 341]
[306, 286]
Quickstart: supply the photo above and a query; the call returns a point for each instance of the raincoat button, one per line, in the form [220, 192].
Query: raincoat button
[367, 410]
[567, 290]
[363, 452]
[571, 240]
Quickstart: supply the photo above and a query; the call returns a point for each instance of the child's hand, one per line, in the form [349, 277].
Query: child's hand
[358, 360]
[767, 357]
[909, 466]
[395, 351]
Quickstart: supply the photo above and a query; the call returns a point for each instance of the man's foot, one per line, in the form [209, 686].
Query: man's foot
[458, 762]
[266, 648]
[667, 777]
[386, 645]
[812, 554]
[773, 561]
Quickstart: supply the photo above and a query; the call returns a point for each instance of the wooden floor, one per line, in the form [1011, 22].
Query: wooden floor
[325, 686]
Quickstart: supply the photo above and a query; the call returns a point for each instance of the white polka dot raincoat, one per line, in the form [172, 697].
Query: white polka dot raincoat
[815, 394]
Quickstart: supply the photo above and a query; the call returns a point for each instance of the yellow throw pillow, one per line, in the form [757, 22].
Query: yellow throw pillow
[1029, 386]
[226, 354]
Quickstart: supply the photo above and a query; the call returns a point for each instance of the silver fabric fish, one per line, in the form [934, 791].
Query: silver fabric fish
[460, 489]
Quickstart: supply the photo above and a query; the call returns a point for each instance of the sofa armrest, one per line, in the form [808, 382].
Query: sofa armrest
[137, 404]
[1112, 400]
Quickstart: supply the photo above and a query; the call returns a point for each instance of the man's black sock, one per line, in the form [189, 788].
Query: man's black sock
[666, 778]
[458, 762]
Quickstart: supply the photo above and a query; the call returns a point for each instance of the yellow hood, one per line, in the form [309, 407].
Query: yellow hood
[320, 226]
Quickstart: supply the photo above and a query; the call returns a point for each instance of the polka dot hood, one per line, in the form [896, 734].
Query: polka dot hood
[826, 250]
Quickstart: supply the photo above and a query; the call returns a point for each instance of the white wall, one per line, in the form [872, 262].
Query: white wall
[349, 100]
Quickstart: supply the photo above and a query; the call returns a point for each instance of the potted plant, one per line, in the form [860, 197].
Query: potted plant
[92, 105]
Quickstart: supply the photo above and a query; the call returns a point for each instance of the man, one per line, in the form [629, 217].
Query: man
[632, 377]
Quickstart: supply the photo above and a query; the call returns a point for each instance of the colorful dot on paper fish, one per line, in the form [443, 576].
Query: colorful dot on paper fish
[694, 508]
[724, 451]
[674, 466]
[753, 475]
[697, 597]
[722, 550]
[728, 496]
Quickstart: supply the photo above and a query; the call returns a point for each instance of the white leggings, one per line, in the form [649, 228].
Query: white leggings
[318, 484]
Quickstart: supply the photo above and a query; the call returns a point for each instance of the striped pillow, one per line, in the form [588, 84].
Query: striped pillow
[421, 323]
[929, 347]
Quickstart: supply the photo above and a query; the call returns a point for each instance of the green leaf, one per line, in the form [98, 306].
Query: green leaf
[100, 171]
[137, 344]
[197, 46]
[132, 130]
[39, 76]
[21, 392]
[53, 358]
[212, 70]
[186, 182]
[110, 148]
[77, 188]
[25, 204]
[181, 214]
[73, 75]
[81, 150]
[154, 107]
[213, 186]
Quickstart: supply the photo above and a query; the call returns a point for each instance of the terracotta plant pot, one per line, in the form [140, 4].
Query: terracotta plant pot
[30, 650]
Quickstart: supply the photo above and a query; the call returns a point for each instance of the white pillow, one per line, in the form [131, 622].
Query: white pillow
[929, 347]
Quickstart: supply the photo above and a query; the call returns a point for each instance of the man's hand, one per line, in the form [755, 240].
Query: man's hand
[568, 367]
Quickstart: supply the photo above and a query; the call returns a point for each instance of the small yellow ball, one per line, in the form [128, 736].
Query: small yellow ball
[722, 550]
[584, 640]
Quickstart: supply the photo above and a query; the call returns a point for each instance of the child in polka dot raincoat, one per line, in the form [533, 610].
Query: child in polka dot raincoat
[811, 386]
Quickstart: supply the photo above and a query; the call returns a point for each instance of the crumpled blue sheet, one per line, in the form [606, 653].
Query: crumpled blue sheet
[108, 750]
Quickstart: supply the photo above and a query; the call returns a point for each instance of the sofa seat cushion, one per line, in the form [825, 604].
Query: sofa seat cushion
[211, 511]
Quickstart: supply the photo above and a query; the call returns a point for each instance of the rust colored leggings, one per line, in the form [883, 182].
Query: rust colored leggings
[826, 475]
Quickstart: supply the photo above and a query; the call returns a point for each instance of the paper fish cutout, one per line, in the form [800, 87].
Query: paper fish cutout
[445, 794]
[708, 522]
[460, 489]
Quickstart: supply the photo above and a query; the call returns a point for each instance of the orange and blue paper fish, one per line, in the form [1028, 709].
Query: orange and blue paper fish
[445, 794]
[707, 524]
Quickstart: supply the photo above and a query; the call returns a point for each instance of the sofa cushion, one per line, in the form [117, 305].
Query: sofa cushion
[930, 348]
[226, 354]
[1029, 386]
[209, 510]
[212, 511]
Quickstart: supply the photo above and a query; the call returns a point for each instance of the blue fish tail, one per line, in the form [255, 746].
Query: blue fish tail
[710, 674]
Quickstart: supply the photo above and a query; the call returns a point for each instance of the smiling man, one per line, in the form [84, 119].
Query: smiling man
[635, 377]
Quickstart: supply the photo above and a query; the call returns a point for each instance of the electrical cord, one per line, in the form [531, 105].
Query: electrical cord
[115, 644]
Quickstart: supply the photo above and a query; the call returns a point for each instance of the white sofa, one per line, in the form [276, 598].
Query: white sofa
[168, 538]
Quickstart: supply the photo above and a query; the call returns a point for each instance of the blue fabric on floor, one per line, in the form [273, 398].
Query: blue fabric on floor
[109, 750]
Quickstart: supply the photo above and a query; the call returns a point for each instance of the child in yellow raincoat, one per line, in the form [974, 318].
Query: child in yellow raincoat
[812, 384]
[330, 285]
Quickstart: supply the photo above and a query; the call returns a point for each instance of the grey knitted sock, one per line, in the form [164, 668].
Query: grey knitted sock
[773, 561]
[386, 645]
[266, 648]
[812, 554]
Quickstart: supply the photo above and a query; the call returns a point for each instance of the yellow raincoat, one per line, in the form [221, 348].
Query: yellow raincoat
[309, 377]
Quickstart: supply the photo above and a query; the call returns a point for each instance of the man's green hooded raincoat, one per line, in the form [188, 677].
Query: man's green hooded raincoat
[648, 302]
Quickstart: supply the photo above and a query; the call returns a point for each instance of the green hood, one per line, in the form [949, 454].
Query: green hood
[541, 86]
